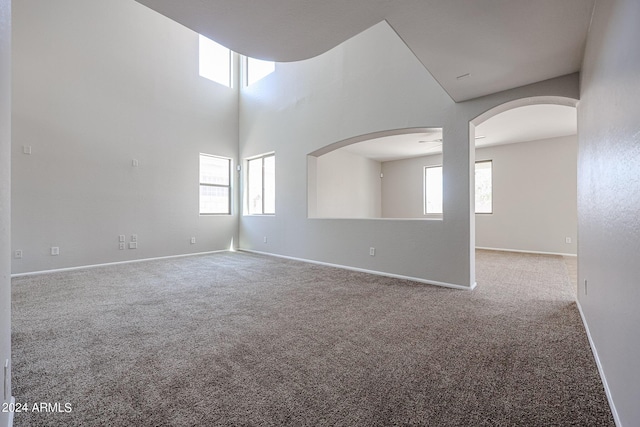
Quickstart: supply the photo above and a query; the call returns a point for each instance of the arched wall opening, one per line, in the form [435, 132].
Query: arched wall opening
[350, 178]
[534, 189]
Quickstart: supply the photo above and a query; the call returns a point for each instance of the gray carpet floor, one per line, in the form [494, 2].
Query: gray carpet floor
[248, 340]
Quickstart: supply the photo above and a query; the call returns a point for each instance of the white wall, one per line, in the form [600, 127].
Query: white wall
[368, 84]
[534, 194]
[5, 200]
[96, 85]
[403, 186]
[609, 198]
[534, 197]
[347, 186]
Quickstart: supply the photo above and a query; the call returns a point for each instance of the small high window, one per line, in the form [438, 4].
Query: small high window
[215, 61]
[261, 178]
[215, 185]
[257, 69]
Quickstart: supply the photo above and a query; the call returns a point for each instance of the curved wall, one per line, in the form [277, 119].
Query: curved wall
[370, 83]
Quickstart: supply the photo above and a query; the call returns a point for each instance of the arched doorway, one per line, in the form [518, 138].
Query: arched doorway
[528, 152]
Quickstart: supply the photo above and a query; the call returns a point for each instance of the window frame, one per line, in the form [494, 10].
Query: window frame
[228, 186]
[424, 192]
[262, 158]
[434, 214]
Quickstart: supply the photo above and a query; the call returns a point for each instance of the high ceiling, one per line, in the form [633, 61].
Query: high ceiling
[472, 47]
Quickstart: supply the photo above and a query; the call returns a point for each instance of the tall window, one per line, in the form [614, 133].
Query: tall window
[215, 61]
[261, 186]
[484, 199]
[256, 69]
[433, 190]
[215, 185]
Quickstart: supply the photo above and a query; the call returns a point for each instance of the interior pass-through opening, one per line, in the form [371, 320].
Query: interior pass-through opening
[380, 175]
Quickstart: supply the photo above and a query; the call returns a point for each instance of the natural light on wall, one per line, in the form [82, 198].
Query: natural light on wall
[215, 61]
[257, 69]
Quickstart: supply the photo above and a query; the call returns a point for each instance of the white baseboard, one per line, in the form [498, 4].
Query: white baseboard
[82, 267]
[346, 267]
[523, 251]
[363, 270]
[616, 419]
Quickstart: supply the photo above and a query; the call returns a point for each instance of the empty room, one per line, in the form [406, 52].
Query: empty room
[332, 213]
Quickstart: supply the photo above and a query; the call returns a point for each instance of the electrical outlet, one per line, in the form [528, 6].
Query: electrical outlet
[372, 251]
[133, 245]
[122, 246]
[122, 238]
[55, 250]
[567, 239]
[17, 254]
[264, 239]
[134, 237]
[193, 240]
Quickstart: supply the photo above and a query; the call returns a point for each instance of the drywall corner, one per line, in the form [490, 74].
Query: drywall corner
[5, 208]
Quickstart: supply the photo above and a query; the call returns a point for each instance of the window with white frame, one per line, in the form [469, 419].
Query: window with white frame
[256, 69]
[215, 185]
[261, 183]
[215, 61]
[432, 190]
[484, 190]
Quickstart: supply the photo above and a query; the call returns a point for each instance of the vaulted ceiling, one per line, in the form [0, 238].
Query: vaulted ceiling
[471, 47]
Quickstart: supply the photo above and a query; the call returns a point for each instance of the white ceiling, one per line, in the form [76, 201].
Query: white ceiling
[396, 147]
[528, 123]
[500, 44]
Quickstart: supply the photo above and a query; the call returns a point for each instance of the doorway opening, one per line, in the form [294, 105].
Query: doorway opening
[532, 179]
